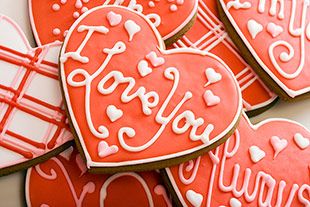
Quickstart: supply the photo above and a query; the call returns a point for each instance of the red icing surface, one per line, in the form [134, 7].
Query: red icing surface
[125, 190]
[291, 166]
[208, 34]
[21, 69]
[45, 19]
[192, 79]
[297, 37]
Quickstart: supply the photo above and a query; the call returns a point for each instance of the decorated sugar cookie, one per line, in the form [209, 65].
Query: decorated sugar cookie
[33, 124]
[135, 106]
[259, 165]
[274, 37]
[66, 183]
[51, 19]
[208, 34]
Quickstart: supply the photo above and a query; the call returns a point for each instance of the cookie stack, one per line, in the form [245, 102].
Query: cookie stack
[146, 103]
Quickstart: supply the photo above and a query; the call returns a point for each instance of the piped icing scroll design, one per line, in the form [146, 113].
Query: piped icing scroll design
[52, 175]
[62, 165]
[265, 185]
[296, 32]
[172, 110]
[288, 50]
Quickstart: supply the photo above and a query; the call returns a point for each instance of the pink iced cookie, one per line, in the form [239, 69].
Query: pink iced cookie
[208, 34]
[32, 120]
[276, 40]
[63, 181]
[260, 165]
[136, 106]
[51, 19]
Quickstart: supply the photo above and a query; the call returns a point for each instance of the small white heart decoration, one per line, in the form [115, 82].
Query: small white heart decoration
[211, 99]
[254, 28]
[212, 76]
[256, 154]
[114, 113]
[132, 28]
[301, 141]
[143, 68]
[194, 198]
[274, 30]
[113, 18]
[278, 144]
[105, 150]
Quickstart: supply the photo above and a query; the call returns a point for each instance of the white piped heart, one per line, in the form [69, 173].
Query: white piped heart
[194, 198]
[132, 28]
[105, 150]
[256, 154]
[211, 99]
[212, 76]
[278, 144]
[113, 18]
[274, 30]
[254, 28]
[154, 59]
[143, 68]
[234, 202]
[114, 113]
[301, 141]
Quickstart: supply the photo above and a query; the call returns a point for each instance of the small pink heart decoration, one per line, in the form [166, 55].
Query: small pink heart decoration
[211, 99]
[105, 150]
[114, 19]
[278, 144]
[274, 30]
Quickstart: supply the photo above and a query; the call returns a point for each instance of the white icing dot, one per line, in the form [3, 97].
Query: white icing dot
[56, 7]
[63, 1]
[151, 4]
[84, 9]
[85, 1]
[180, 2]
[173, 8]
[56, 31]
[76, 15]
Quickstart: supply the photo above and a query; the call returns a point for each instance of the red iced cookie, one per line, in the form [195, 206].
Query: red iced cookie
[208, 34]
[134, 105]
[51, 19]
[32, 121]
[277, 36]
[260, 165]
[63, 181]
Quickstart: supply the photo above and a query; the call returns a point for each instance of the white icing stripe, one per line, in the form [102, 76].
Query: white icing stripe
[103, 190]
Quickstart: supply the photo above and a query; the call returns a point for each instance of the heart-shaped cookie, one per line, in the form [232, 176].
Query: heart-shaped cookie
[208, 34]
[32, 120]
[274, 38]
[247, 170]
[65, 178]
[166, 118]
[51, 19]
